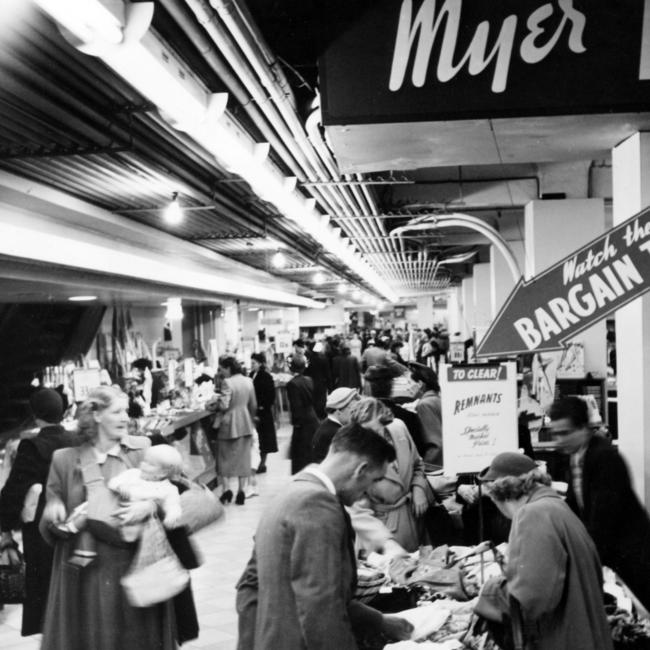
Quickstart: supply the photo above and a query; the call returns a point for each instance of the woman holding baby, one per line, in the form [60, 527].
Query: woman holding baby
[86, 606]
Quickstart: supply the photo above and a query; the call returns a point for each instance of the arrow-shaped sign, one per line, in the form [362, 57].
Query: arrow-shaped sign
[570, 296]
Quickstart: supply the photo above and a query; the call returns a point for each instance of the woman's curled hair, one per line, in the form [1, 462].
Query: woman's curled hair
[229, 362]
[367, 409]
[99, 399]
[510, 488]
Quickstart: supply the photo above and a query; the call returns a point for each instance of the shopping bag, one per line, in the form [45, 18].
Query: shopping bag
[12, 579]
[156, 574]
[199, 506]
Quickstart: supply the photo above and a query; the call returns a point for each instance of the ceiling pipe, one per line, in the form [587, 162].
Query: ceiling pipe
[239, 14]
[499, 243]
[138, 60]
[211, 56]
[460, 220]
[362, 227]
[368, 227]
[458, 259]
[252, 44]
[282, 117]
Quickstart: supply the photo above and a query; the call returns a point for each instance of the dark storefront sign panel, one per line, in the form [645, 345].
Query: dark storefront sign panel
[575, 293]
[427, 60]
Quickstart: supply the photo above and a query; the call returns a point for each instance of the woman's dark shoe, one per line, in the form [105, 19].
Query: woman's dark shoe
[260, 469]
[226, 497]
[241, 497]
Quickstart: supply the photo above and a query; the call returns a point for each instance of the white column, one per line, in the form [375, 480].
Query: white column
[555, 229]
[425, 311]
[482, 299]
[631, 169]
[453, 308]
[467, 311]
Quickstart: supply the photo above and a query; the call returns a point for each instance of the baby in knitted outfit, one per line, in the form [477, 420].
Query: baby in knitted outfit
[152, 481]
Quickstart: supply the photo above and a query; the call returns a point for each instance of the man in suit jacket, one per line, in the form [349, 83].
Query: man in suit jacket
[345, 370]
[296, 591]
[300, 391]
[319, 371]
[601, 494]
[338, 405]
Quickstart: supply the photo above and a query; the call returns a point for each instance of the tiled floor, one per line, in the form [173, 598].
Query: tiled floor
[226, 546]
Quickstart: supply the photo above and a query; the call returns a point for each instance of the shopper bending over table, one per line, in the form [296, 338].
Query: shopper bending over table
[401, 498]
[553, 572]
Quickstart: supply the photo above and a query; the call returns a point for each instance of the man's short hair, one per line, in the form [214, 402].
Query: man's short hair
[573, 408]
[298, 364]
[420, 372]
[355, 439]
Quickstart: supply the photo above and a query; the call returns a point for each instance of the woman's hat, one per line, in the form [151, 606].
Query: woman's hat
[340, 397]
[509, 463]
[47, 404]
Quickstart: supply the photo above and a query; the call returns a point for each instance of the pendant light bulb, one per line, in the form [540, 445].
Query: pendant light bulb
[279, 260]
[318, 278]
[173, 213]
[341, 288]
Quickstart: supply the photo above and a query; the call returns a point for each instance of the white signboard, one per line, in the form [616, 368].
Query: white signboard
[283, 342]
[84, 380]
[479, 414]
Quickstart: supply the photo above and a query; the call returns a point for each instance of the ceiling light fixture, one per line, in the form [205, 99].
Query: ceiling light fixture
[318, 278]
[341, 288]
[82, 298]
[173, 214]
[279, 260]
[356, 295]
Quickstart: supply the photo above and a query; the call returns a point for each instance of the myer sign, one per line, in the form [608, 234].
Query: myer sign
[493, 44]
[455, 59]
[575, 293]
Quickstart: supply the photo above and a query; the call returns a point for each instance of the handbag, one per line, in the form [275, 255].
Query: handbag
[156, 574]
[199, 506]
[12, 579]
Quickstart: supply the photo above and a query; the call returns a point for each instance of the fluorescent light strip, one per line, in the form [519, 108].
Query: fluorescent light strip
[37, 243]
[150, 67]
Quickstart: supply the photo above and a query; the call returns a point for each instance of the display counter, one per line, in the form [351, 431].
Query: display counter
[187, 430]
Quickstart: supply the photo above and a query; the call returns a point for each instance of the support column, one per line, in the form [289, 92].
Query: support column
[425, 311]
[467, 312]
[482, 299]
[555, 229]
[453, 309]
[631, 191]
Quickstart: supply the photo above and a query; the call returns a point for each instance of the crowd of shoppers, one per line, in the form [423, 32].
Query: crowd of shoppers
[359, 453]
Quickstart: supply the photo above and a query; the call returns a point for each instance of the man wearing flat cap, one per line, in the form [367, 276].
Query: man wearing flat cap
[338, 405]
[553, 573]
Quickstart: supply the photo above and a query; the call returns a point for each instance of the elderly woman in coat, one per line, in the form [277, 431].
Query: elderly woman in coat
[87, 606]
[401, 498]
[553, 572]
[237, 410]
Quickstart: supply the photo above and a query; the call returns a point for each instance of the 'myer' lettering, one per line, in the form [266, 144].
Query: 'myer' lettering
[540, 38]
